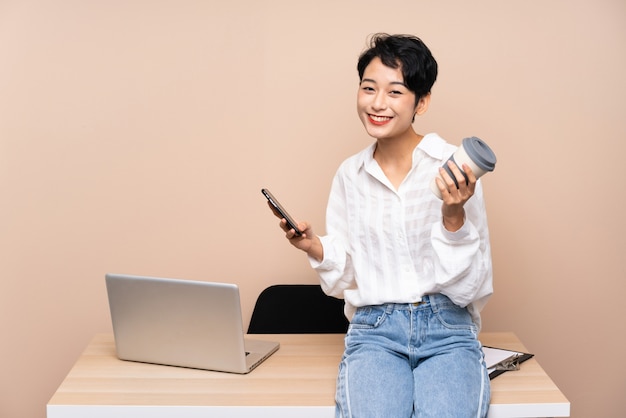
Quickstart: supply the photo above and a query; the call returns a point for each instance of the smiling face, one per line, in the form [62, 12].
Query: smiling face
[385, 105]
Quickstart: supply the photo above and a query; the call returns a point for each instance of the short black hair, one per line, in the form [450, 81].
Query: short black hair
[410, 54]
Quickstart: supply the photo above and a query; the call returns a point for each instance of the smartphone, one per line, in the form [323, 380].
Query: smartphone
[290, 222]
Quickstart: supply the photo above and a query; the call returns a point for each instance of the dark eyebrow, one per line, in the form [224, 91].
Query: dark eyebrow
[393, 82]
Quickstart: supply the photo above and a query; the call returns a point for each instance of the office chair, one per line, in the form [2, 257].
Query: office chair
[297, 309]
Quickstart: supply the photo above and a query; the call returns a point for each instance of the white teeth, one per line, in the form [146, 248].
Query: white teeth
[379, 118]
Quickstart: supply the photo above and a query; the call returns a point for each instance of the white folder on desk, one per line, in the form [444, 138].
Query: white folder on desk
[500, 360]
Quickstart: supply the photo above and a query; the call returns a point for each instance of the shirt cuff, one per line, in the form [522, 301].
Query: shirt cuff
[326, 263]
[457, 235]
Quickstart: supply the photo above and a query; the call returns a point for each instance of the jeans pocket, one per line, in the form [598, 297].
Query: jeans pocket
[368, 317]
[454, 317]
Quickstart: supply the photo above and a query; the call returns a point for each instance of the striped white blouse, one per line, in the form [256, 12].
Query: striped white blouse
[385, 245]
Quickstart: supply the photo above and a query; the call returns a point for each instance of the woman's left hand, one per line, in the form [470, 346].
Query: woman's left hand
[454, 197]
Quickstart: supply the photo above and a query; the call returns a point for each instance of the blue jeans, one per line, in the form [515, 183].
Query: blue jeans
[412, 360]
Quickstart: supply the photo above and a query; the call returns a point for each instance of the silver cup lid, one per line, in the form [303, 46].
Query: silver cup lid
[480, 153]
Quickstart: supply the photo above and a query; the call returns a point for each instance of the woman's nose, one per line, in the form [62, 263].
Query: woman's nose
[380, 101]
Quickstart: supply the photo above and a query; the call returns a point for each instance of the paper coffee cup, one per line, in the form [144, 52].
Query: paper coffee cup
[476, 154]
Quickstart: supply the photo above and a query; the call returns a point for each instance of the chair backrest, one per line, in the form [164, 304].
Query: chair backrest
[297, 309]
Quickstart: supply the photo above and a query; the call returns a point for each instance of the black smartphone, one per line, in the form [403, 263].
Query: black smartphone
[290, 222]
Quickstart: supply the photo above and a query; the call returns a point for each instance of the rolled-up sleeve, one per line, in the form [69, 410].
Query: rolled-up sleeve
[463, 269]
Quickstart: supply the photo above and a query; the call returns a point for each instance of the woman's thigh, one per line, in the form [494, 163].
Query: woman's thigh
[451, 380]
[375, 379]
[452, 384]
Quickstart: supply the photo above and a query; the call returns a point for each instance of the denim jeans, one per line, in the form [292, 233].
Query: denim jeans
[412, 360]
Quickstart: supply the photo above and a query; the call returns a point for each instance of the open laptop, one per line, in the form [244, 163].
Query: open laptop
[182, 323]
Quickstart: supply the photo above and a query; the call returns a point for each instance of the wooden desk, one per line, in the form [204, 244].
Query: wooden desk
[296, 381]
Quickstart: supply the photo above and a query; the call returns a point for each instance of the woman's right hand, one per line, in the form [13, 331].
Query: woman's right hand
[307, 241]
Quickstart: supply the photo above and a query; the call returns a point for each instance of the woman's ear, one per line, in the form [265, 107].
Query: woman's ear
[422, 105]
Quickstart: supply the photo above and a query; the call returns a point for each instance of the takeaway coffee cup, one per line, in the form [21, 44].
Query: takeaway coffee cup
[473, 152]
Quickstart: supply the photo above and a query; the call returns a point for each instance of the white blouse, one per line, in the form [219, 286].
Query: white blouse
[390, 246]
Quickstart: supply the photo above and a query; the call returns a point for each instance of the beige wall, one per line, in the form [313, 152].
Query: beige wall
[135, 137]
